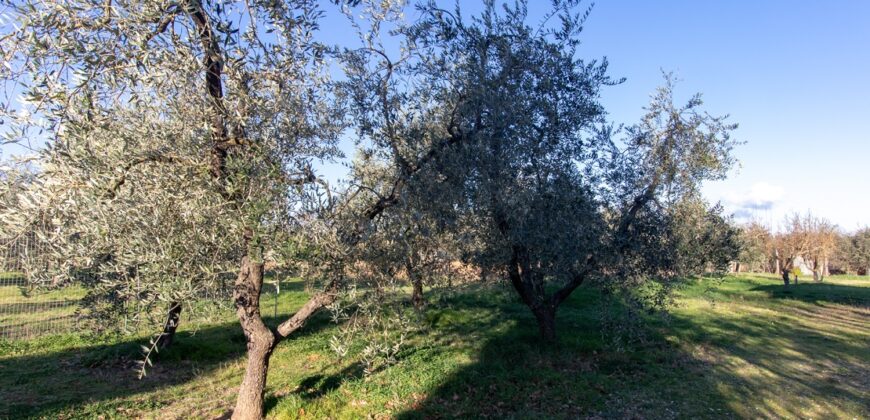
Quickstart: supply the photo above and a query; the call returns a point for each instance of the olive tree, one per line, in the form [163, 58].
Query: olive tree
[756, 245]
[808, 237]
[179, 139]
[542, 191]
[858, 251]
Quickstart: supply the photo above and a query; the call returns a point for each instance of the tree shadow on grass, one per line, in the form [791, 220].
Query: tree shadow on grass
[799, 362]
[798, 351]
[810, 362]
[41, 384]
[513, 375]
[318, 385]
[819, 292]
[88, 380]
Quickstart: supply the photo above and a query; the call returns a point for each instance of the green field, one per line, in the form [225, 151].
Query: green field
[28, 313]
[748, 348]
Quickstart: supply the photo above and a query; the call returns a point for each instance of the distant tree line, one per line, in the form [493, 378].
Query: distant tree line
[803, 240]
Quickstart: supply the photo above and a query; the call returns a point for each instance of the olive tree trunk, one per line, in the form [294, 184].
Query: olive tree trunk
[260, 340]
[417, 297]
[172, 319]
[546, 317]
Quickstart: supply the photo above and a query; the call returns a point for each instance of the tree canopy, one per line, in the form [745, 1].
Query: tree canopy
[181, 138]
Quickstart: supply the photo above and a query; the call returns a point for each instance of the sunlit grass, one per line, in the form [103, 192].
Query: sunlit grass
[746, 348]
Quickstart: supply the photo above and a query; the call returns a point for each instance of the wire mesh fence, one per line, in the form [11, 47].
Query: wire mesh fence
[27, 311]
[24, 311]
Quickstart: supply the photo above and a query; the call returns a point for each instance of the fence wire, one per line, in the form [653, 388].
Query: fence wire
[24, 311]
[27, 311]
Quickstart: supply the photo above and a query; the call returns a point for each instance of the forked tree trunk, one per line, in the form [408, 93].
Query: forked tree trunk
[260, 340]
[172, 319]
[546, 317]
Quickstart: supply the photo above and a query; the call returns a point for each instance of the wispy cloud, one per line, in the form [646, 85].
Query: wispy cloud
[761, 196]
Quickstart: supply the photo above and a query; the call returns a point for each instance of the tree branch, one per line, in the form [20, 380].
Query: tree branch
[575, 282]
[313, 305]
[163, 23]
[213, 63]
[112, 189]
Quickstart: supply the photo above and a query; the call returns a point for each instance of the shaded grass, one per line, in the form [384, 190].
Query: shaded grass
[745, 348]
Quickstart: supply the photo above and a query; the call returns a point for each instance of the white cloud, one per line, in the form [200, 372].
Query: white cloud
[760, 196]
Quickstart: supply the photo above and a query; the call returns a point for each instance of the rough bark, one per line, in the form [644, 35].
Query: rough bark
[311, 307]
[546, 317]
[417, 297]
[260, 340]
[172, 319]
[249, 405]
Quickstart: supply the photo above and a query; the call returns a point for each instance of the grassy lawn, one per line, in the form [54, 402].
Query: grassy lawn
[746, 348]
[25, 313]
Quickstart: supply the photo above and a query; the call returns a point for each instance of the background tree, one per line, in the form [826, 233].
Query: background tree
[859, 251]
[756, 248]
[410, 241]
[805, 238]
[544, 194]
[825, 237]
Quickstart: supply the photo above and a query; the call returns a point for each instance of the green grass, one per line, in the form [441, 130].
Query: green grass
[748, 348]
[25, 312]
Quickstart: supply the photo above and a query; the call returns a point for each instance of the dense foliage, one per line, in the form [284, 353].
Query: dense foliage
[181, 137]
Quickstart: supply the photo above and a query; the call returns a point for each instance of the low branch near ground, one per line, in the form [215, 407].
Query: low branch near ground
[319, 301]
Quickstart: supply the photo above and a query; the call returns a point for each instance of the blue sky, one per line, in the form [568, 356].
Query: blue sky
[794, 74]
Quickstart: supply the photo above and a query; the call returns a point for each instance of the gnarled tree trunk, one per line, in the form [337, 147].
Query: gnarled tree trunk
[546, 317]
[260, 340]
[417, 295]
